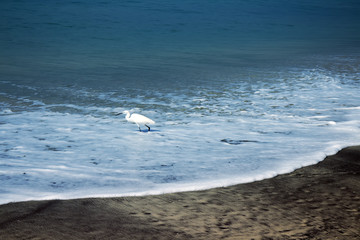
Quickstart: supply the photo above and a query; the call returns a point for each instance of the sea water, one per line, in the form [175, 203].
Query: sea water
[240, 91]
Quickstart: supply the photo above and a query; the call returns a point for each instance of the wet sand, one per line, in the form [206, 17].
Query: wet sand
[321, 201]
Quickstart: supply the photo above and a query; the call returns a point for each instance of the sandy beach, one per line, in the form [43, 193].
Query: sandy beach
[320, 201]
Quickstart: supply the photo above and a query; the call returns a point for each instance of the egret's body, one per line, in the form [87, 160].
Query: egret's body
[138, 119]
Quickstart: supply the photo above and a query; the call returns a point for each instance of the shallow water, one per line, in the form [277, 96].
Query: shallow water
[239, 92]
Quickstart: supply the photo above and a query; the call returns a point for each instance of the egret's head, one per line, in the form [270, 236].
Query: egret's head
[126, 112]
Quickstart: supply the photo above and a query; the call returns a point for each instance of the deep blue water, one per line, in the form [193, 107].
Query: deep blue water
[93, 43]
[240, 90]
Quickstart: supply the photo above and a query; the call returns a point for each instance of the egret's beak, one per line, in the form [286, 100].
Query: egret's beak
[117, 114]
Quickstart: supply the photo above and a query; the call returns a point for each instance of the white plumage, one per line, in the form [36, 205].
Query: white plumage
[138, 119]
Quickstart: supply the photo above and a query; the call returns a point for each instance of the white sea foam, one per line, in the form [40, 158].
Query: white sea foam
[205, 137]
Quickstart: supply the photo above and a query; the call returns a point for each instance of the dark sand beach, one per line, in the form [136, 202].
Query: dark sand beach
[321, 201]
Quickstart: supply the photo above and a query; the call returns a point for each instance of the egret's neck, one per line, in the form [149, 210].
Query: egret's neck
[127, 116]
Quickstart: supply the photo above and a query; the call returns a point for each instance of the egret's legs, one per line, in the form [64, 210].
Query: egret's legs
[147, 127]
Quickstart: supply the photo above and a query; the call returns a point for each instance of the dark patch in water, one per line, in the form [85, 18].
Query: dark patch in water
[167, 165]
[163, 177]
[285, 133]
[57, 184]
[237, 142]
[277, 132]
[49, 148]
[169, 178]
[93, 161]
[40, 138]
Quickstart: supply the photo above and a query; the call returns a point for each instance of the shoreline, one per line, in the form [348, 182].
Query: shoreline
[320, 201]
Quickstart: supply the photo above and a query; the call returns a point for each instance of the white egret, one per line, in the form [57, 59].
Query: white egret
[138, 119]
